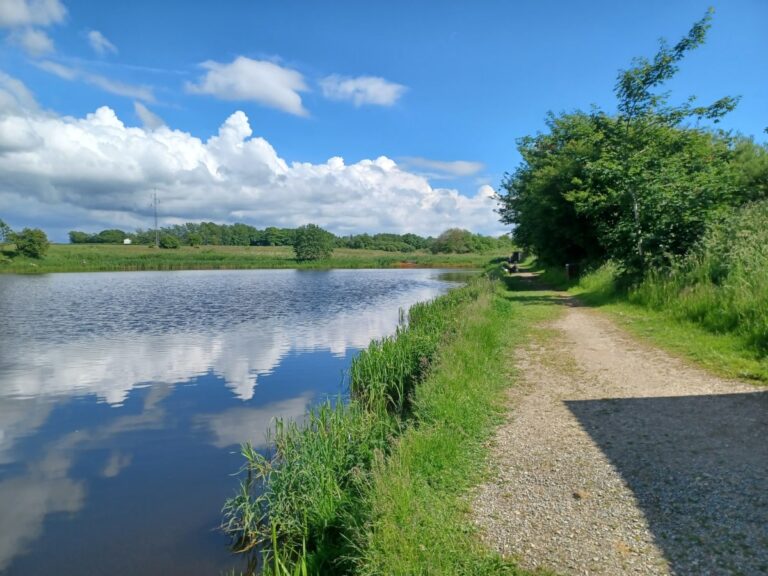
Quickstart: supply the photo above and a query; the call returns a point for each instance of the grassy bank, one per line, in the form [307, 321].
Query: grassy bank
[378, 485]
[730, 353]
[108, 257]
[419, 508]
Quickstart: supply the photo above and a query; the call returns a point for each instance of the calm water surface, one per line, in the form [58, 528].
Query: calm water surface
[124, 397]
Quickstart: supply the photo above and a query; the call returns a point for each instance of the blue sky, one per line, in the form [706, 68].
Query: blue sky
[241, 110]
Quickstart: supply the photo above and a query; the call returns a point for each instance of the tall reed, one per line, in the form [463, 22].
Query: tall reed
[304, 502]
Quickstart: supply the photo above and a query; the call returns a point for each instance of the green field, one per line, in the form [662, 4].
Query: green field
[109, 257]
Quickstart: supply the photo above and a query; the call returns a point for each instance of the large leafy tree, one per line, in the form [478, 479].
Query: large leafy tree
[637, 186]
[536, 199]
[453, 240]
[651, 205]
[663, 186]
[313, 243]
[31, 242]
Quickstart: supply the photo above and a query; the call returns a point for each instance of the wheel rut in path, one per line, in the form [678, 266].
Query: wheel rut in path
[618, 458]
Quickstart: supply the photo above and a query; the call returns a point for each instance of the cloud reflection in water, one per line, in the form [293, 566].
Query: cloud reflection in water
[77, 342]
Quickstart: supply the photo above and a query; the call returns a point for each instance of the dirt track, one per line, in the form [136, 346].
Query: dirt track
[620, 459]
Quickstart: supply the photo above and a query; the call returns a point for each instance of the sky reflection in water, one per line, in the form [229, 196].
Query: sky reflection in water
[123, 398]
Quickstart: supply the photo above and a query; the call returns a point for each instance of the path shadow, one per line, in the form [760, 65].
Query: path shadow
[526, 288]
[698, 467]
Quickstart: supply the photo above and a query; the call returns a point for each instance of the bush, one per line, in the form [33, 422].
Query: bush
[31, 242]
[453, 240]
[169, 241]
[313, 243]
[723, 284]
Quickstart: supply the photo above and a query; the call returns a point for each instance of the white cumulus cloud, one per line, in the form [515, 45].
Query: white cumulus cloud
[260, 81]
[15, 13]
[100, 44]
[486, 191]
[362, 90]
[95, 171]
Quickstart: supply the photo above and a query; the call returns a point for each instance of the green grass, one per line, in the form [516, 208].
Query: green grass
[311, 489]
[710, 306]
[377, 486]
[107, 257]
[728, 353]
[419, 492]
[723, 284]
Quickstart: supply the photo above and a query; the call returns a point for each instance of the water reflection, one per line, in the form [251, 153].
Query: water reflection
[240, 424]
[109, 367]
[26, 500]
[123, 396]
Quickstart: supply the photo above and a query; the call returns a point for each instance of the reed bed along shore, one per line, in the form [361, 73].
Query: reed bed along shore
[114, 258]
[374, 485]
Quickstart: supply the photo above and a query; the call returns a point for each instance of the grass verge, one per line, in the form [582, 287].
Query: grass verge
[728, 354]
[378, 485]
[419, 510]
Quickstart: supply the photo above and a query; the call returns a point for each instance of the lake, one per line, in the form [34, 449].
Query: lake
[124, 398]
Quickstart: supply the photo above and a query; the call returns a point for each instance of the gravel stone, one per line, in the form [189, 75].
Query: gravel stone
[618, 458]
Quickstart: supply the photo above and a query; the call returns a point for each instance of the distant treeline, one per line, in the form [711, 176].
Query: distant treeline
[212, 234]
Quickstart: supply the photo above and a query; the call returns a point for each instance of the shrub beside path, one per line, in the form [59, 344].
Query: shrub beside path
[618, 458]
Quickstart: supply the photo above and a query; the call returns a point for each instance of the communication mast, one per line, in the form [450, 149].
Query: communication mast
[157, 230]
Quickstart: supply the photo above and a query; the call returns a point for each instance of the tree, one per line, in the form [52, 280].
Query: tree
[31, 242]
[77, 237]
[168, 241]
[750, 164]
[313, 243]
[453, 240]
[111, 236]
[638, 186]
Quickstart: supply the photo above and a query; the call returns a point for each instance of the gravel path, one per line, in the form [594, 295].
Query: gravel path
[620, 459]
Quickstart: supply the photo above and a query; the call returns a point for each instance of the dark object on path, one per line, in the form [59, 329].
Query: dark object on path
[515, 258]
[510, 267]
[571, 271]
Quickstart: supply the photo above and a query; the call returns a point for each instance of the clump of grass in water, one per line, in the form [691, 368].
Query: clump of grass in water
[304, 502]
[306, 489]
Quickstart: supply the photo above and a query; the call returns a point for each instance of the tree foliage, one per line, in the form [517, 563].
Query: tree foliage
[638, 186]
[111, 236]
[459, 241]
[31, 242]
[312, 243]
[169, 242]
[212, 234]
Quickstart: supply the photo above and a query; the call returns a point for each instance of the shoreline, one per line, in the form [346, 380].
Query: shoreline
[66, 258]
